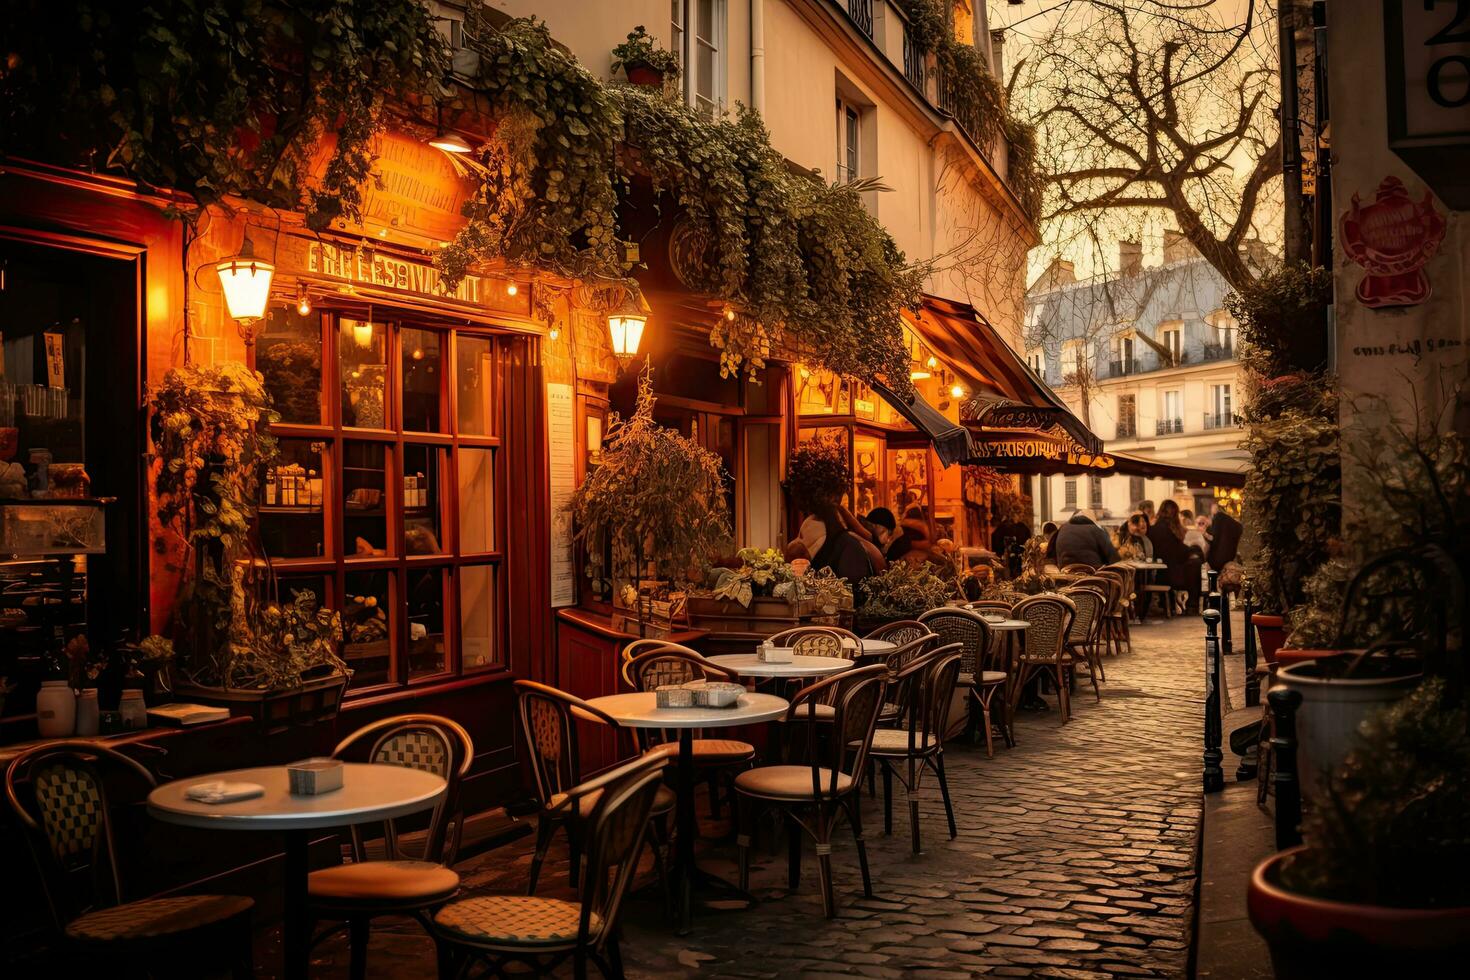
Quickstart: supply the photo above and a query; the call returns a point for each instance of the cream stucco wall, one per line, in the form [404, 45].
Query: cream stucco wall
[1366, 338]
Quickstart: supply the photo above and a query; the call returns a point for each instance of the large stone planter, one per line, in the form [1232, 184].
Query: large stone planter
[1331, 710]
[1314, 937]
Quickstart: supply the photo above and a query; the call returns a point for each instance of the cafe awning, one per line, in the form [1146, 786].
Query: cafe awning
[1053, 451]
[1006, 394]
[951, 440]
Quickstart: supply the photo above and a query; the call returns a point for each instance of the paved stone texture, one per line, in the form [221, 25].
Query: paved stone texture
[1075, 858]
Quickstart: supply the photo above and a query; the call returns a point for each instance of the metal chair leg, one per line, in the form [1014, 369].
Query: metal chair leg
[937, 761]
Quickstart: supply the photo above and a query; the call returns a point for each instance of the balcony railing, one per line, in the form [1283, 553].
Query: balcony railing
[1217, 352]
[913, 59]
[1120, 368]
[1127, 429]
[860, 12]
[970, 117]
[1168, 427]
[1221, 420]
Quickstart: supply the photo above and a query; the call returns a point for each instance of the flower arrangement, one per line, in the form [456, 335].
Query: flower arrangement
[292, 642]
[903, 591]
[817, 473]
[640, 51]
[761, 572]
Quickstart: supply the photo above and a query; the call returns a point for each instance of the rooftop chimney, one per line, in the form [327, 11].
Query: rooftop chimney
[998, 54]
[1176, 247]
[1130, 258]
[1059, 273]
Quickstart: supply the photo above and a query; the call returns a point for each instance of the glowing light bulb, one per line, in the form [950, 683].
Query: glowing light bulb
[511, 289]
[956, 391]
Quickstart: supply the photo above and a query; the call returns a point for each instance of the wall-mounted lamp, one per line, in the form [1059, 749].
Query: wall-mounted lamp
[625, 322]
[246, 281]
[303, 299]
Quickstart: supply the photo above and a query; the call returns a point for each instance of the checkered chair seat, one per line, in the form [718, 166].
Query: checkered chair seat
[513, 920]
[895, 741]
[157, 918]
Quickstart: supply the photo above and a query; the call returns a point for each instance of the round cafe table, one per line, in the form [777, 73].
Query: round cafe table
[1145, 570]
[369, 792]
[871, 647]
[1009, 628]
[751, 665]
[640, 710]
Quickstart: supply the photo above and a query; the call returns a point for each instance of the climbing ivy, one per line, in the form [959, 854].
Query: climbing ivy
[272, 100]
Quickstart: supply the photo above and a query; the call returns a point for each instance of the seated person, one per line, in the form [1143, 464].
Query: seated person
[1081, 541]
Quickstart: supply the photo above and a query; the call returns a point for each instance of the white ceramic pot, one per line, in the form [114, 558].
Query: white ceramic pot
[1331, 710]
[56, 709]
[89, 716]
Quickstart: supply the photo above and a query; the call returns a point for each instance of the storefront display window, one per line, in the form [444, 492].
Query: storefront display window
[908, 482]
[823, 393]
[391, 500]
[867, 473]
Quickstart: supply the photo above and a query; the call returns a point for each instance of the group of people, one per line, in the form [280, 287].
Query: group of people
[855, 548]
[1174, 535]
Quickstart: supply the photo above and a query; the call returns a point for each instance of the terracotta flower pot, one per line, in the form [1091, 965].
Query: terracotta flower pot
[1315, 937]
[1271, 631]
[640, 74]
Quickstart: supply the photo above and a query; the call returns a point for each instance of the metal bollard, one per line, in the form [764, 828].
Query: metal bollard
[1252, 682]
[1227, 640]
[1284, 770]
[1213, 757]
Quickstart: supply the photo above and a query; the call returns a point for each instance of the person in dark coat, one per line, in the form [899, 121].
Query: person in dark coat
[1014, 532]
[1225, 534]
[1167, 535]
[1081, 541]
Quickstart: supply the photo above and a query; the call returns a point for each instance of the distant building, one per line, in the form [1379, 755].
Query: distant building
[1151, 352]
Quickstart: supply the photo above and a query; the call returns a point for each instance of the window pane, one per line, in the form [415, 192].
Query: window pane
[367, 627]
[422, 371]
[425, 622]
[706, 22]
[421, 500]
[704, 60]
[288, 355]
[292, 509]
[474, 374]
[477, 617]
[362, 362]
[476, 501]
[364, 499]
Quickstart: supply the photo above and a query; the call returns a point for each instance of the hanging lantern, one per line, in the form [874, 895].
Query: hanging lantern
[625, 323]
[450, 143]
[246, 281]
[303, 299]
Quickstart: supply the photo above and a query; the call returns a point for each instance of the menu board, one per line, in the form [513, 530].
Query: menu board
[561, 446]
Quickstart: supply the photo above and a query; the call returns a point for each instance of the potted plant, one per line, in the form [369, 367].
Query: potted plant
[1378, 887]
[654, 508]
[643, 61]
[902, 591]
[817, 474]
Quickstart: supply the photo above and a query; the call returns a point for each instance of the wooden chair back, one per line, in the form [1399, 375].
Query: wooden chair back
[856, 696]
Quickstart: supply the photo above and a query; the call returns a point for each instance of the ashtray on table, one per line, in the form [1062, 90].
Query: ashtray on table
[698, 694]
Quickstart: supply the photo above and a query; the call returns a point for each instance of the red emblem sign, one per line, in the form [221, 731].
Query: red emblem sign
[1392, 239]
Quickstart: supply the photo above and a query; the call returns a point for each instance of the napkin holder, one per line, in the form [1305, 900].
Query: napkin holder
[714, 694]
[769, 653]
[673, 696]
[313, 777]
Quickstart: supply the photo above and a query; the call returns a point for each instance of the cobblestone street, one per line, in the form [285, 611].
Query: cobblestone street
[1075, 858]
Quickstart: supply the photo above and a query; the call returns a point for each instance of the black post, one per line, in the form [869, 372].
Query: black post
[1284, 777]
[1252, 682]
[1214, 774]
[1227, 636]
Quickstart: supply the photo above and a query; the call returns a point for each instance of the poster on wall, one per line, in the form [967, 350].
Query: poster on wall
[561, 446]
[55, 360]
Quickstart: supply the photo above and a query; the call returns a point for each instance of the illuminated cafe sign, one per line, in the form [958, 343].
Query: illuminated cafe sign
[1427, 58]
[991, 449]
[374, 268]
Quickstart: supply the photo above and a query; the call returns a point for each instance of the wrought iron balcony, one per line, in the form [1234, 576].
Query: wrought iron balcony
[1221, 420]
[1217, 352]
[1168, 427]
[860, 12]
[1120, 368]
[913, 59]
[1127, 428]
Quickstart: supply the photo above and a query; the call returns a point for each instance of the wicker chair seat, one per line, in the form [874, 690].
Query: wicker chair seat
[787, 782]
[512, 920]
[807, 711]
[157, 918]
[720, 751]
[895, 742]
[383, 881]
[986, 677]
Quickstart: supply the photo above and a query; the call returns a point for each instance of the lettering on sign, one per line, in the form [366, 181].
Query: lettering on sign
[386, 271]
[1427, 48]
[416, 189]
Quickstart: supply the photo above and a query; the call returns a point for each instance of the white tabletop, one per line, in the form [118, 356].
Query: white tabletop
[369, 792]
[871, 646]
[1009, 624]
[751, 665]
[1144, 565]
[641, 710]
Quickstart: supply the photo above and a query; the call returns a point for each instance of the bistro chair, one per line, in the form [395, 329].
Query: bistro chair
[1115, 628]
[1008, 597]
[928, 684]
[59, 794]
[818, 641]
[540, 934]
[967, 627]
[639, 647]
[1077, 568]
[400, 883]
[651, 670]
[895, 661]
[1081, 642]
[827, 784]
[1050, 616]
[899, 632]
[1000, 606]
[549, 724]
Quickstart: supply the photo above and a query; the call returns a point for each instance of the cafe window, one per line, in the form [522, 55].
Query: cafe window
[1069, 499]
[387, 495]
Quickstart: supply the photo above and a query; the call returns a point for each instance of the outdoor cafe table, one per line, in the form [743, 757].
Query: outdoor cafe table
[751, 665]
[640, 710]
[1146, 569]
[369, 793]
[871, 647]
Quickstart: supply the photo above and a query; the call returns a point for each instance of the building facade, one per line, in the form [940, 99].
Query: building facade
[1145, 356]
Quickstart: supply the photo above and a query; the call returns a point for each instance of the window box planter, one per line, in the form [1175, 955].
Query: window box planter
[316, 700]
[640, 73]
[1316, 937]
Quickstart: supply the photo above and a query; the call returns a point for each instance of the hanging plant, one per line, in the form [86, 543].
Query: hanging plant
[272, 101]
[816, 474]
[639, 56]
[657, 501]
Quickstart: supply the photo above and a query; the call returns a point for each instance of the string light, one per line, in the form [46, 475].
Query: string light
[303, 300]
